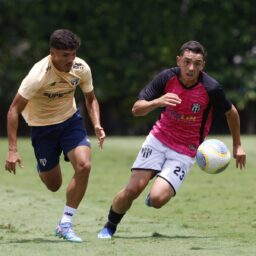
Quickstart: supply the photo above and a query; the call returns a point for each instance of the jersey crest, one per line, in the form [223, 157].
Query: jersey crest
[195, 107]
[75, 81]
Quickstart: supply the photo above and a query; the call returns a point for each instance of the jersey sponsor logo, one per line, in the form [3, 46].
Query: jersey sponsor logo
[58, 82]
[43, 161]
[146, 152]
[177, 116]
[195, 107]
[75, 81]
[56, 95]
[174, 115]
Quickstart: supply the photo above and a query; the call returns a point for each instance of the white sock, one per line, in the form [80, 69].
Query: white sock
[68, 214]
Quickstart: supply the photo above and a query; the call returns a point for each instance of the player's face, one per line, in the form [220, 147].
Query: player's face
[62, 59]
[191, 64]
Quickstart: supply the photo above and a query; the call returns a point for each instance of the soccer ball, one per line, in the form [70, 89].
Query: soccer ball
[213, 156]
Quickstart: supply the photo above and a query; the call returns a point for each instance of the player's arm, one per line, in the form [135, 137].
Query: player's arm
[93, 109]
[143, 107]
[153, 95]
[234, 127]
[15, 109]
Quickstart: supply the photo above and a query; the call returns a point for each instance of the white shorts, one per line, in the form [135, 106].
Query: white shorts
[167, 163]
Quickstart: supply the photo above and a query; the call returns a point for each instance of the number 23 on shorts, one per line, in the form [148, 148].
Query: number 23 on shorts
[179, 172]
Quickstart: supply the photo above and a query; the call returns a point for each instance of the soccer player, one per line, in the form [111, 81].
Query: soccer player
[188, 97]
[46, 101]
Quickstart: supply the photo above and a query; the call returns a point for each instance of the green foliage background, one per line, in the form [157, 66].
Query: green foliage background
[127, 42]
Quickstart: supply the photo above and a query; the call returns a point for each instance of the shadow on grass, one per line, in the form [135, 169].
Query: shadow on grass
[154, 235]
[35, 240]
[158, 235]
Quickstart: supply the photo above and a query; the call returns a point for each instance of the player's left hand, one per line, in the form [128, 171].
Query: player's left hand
[100, 134]
[240, 156]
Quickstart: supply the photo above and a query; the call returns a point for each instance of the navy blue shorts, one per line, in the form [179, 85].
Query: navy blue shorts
[50, 141]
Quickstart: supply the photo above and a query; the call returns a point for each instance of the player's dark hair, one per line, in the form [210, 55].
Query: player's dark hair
[63, 39]
[193, 46]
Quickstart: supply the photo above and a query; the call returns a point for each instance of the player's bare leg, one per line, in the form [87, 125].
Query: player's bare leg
[52, 178]
[80, 159]
[137, 183]
[124, 199]
[160, 193]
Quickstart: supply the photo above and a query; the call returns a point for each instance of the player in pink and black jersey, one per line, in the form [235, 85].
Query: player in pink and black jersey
[188, 97]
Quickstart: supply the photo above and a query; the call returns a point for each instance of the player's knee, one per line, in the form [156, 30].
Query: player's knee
[54, 187]
[132, 192]
[83, 168]
[53, 183]
[157, 201]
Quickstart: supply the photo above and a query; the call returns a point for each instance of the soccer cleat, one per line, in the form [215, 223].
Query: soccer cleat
[106, 233]
[147, 201]
[65, 231]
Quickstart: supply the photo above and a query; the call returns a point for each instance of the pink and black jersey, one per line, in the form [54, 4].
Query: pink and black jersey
[185, 126]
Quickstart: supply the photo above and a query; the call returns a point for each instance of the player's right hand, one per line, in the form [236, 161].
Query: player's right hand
[12, 159]
[169, 99]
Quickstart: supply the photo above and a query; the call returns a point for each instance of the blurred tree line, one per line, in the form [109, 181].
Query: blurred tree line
[126, 42]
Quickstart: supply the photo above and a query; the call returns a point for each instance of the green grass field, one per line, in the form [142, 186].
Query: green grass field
[211, 215]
